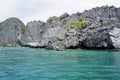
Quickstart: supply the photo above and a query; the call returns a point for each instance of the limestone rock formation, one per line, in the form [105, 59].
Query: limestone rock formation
[97, 28]
[91, 29]
[11, 30]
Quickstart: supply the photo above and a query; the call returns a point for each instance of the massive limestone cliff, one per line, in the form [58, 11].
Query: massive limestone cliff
[91, 29]
[97, 28]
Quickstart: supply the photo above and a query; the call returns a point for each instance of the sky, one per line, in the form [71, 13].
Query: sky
[30, 10]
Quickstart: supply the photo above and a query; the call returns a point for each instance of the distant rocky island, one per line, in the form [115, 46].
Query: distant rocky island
[97, 28]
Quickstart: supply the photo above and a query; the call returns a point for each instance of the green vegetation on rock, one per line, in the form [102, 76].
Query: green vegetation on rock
[6, 23]
[42, 29]
[65, 19]
[80, 18]
[16, 26]
[65, 26]
[0, 23]
[23, 30]
[63, 34]
[90, 31]
[77, 24]
[50, 19]
[97, 8]
[110, 23]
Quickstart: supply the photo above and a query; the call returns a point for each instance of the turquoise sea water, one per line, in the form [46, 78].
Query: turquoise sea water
[41, 64]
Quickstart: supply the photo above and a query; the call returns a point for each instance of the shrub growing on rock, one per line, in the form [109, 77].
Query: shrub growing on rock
[77, 24]
[42, 29]
[63, 34]
[80, 18]
[90, 31]
[65, 26]
[110, 23]
[64, 20]
[16, 26]
[97, 8]
[50, 19]
[23, 30]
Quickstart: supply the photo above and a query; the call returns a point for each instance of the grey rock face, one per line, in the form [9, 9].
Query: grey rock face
[53, 36]
[55, 44]
[98, 40]
[34, 31]
[71, 42]
[11, 30]
[115, 37]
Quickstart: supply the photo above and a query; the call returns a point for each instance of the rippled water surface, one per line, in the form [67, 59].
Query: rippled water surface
[41, 64]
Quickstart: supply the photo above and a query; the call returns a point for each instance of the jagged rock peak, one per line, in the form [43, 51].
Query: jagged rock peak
[35, 23]
[65, 15]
